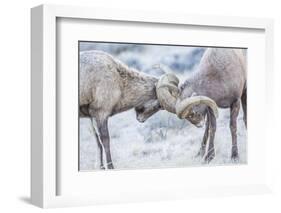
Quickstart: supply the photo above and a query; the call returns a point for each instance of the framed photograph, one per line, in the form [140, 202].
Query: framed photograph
[129, 106]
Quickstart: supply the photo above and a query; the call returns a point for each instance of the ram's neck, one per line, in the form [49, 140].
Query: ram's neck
[138, 88]
[188, 88]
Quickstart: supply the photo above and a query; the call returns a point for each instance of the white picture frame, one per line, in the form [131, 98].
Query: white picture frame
[44, 169]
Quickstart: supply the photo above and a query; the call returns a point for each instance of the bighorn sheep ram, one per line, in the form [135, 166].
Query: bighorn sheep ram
[221, 76]
[107, 87]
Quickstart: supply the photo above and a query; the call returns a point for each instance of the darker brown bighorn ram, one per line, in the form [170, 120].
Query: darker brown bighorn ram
[221, 76]
[107, 87]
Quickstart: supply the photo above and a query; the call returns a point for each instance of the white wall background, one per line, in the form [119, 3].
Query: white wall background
[15, 104]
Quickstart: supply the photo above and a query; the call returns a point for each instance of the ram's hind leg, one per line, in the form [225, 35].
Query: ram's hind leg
[234, 111]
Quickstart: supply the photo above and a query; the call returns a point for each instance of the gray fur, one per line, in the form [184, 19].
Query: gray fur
[108, 87]
[221, 76]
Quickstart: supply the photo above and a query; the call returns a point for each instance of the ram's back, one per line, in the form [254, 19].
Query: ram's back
[221, 76]
[99, 81]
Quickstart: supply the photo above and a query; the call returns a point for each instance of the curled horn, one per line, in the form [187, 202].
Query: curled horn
[168, 96]
[183, 107]
[167, 92]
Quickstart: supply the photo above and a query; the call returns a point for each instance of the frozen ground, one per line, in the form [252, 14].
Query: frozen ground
[163, 140]
[172, 143]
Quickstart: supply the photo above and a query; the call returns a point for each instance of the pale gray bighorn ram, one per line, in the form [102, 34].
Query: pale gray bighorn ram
[221, 76]
[107, 87]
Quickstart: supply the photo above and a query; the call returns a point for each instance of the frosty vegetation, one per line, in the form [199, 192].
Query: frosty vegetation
[163, 140]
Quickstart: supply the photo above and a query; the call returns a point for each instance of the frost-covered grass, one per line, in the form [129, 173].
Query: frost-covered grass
[163, 140]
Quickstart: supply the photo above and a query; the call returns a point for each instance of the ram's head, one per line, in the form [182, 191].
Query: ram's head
[148, 109]
[191, 108]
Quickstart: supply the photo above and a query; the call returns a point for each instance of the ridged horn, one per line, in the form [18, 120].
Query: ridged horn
[184, 106]
[167, 91]
[168, 95]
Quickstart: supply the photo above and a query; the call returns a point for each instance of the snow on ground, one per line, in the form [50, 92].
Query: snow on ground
[163, 140]
[137, 145]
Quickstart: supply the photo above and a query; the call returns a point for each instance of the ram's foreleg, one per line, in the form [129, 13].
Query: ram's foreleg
[101, 119]
[99, 142]
[103, 130]
[210, 147]
[202, 149]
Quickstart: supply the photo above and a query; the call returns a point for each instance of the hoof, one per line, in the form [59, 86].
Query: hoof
[235, 158]
[201, 152]
[110, 165]
[234, 155]
[102, 167]
[209, 156]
